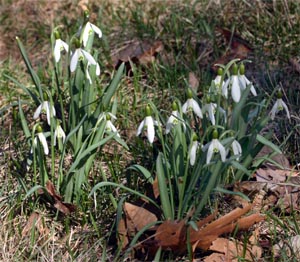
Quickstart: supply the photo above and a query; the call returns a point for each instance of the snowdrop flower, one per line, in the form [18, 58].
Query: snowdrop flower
[45, 107]
[279, 106]
[191, 105]
[214, 147]
[193, 150]
[80, 54]
[88, 74]
[217, 82]
[235, 84]
[59, 133]
[244, 81]
[42, 139]
[174, 118]
[236, 148]
[59, 46]
[89, 29]
[148, 123]
[109, 127]
[211, 108]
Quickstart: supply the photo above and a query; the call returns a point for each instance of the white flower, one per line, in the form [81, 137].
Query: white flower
[88, 29]
[42, 139]
[173, 120]
[148, 123]
[214, 147]
[80, 54]
[44, 107]
[59, 46]
[193, 151]
[224, 88]
[235, 88]
[210, 108]
[109, 126]
[88, 74]
[278, 106]
[59, 134]
[236, 148]
[192, 105]
[244, 82]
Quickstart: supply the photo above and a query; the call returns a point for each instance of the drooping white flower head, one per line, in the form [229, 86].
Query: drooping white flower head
[59, 133]
[59, 46]
[89, 29]
[210, 108]
[217, 81]
[45, 107]
[191, 105]
[174, 118]
[213, 147]
[193, 150]
[279, 106]
[244, 81]
[109, 126]
[80, 54]
[42, 139]
[147, 123]
[233, 81]
[236, 148]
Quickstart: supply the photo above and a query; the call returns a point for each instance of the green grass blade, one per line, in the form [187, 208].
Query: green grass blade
[32, 73]
[112, 87]
[143, 171]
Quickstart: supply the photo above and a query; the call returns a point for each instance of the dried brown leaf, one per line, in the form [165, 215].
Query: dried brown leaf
[138, 217]
[171, 235]
[193, 81]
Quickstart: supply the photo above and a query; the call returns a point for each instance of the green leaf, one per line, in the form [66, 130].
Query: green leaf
[113, 87]
[24, 122]
[225, 191]
[143, 171]
[32, 73]
[163, 189]
[268, 143]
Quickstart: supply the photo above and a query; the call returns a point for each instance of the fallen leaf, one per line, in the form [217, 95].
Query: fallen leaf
[35, 221]
[122, 234]
[138, 217]
[171, 235]
[239, 48]
[137, 52]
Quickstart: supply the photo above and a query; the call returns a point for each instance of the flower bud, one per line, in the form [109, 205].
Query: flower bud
[39, 129]
[242, 69]
[45, 96]
[279, 94]
[108, 117]
[148, 110]
[174, 106]
[189, 94]
[234, 69]
[195, 137]
[215, 134]
[220, 71]
[56, 34]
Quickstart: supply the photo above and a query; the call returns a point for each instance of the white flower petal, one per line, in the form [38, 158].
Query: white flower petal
[196, 108]
[97, 69]
[140, 128]
[193, 152]
[235, 89]
[38, 111]
[97, 30]
[57, 50]
[150, 128]
[283, 104]
[274, 109]
[86, 32]
[236, 148]
[210, 152]
[185, 107]
[43, 141]
[222, 152]
[74, 60]
[89, 57]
